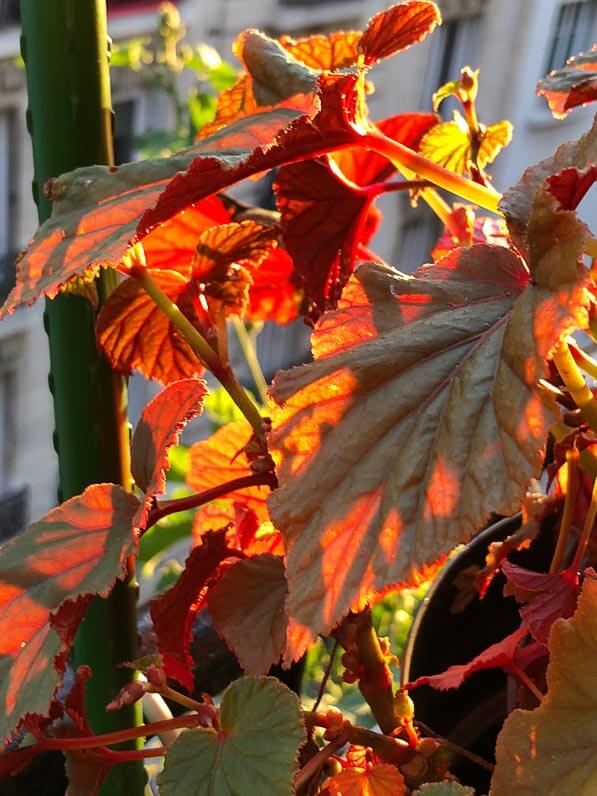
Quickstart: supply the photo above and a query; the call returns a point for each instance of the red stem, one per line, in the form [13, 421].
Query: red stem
[165, 507]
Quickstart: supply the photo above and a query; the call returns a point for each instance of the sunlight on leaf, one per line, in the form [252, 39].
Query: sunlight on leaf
[573, 85]
[397, 28]
[378, 780]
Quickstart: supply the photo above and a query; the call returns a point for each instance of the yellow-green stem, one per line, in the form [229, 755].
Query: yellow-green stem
[586, 531]
[202, 349]
[572, 458]
[403, 157]
[574, 381]
[583, 360]
[250, 355]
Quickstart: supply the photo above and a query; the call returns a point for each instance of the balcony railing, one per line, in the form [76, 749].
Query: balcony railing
[9, 13]
[7, 275]
[14, 512]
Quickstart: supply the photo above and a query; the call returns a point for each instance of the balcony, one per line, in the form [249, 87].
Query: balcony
[9, 13]
[14, 512]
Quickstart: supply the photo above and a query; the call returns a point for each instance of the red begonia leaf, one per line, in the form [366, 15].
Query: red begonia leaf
[172, 245]
[219, 459]
[173, 612]
[160, 426]
[319, 51]
[573, 85]
[397, 28]
[548, 597]
[570, 185]
[274, 296]
[374, 479]
[86, 770]
[233, 103]
[252, 536]
[467, 229]
[326, 211]
[248, 608]
[47, 574]
[498, 656]
[219, 247]
[377, 780]
[99, 212]
[134, 334]
[15, 760]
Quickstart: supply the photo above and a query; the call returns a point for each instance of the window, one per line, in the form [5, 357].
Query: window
[573, 32]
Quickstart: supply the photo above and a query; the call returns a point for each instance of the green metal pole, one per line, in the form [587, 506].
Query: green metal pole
[65, 48]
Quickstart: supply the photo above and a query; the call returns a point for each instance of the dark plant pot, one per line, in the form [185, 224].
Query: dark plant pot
[472, 715]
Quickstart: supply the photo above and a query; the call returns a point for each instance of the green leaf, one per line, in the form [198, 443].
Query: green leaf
[167, 531]
[223, 76]
[550, 751]
[420, 417]
[254, 753]
[444, 789]
[202, 109]
[221, 409]
[450, 89]
[178, 456]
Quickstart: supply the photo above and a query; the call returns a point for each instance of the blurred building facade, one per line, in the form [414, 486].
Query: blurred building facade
[513, 42]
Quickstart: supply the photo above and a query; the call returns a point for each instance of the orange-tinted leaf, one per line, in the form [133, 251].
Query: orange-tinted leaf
[252, 536]
[548, 597]
[134, 334]
[173, 612]
[321, 52]
[172, 245]
[468, 229]
[326, 213]
[551, 750]
[573, 85]
[248, 609]
[570, 185]
[518, 201]
[219, 459]
[233, 103]
[379, 780]
[220, 247]
[498, 656]
[397, 28]
[99, 212]
[274, 296]
[420, 416]
[47, 575]
[160, 426]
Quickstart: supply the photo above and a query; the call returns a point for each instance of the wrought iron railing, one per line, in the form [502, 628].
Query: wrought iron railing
[14, 512]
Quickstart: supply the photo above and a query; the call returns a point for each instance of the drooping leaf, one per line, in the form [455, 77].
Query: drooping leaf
[498, 656]
[518, 201]
[160, 426]
[248, 609]
[378, 780]
[421, 384]
[47, 575]
[398, 27]
[444, 789]
[319, 51]
[573, 85]
[134, 334]
[551, 750]
[548, 597]
[326, 213]
[253, 753]
[172, 245]
[219, 459]
[173, 612]
[98, 212]
[449, 144]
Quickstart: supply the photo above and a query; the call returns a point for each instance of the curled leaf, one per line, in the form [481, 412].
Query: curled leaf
[398, 27]
[573, 85]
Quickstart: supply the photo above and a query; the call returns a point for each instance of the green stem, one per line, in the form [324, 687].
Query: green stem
[250, 356]
[375, 683]
[200, 346]
[404, 158]
[574, 381]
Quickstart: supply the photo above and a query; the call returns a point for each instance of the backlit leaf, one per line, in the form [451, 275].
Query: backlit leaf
[319, 51]
[548, 597]
[326, 214]
[420, 417]
[219, 459]
[570, 185]
[397, 28]
[449, 144]
[173, 612]
[550, 751]
[498, 656]
[378, 780]
[248, 609]
[466, 229]
[219, 247]
[493, 139]
[253, 753]
[274, 296]
[47, 575]
[573, 85]
[160, 426]
[134, 334]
